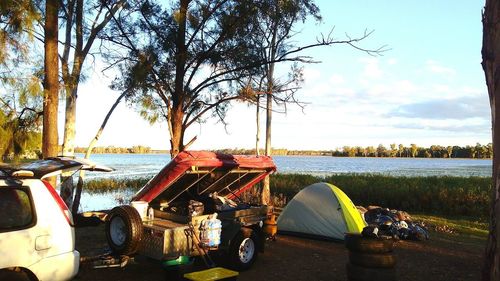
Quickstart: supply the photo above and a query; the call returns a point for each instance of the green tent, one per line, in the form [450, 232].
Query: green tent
[321, 210]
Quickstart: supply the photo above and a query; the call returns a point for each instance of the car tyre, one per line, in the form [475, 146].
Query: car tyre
[387, 260]
[10, 275]
[360, 273]
[358, 243]
[243, 250]
[124, 230]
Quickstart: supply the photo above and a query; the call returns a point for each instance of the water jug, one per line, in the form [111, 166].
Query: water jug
[211, 231]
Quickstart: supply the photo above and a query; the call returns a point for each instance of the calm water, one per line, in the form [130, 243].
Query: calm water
[144, 165]
[140, 165]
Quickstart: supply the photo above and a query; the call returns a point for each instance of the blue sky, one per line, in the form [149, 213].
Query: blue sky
[427, 89]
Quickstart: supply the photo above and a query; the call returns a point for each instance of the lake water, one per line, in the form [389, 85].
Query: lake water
[140, 165]
[147, 165]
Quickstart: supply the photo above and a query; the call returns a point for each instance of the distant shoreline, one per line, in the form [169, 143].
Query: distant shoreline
[294, 155]
[394, 151]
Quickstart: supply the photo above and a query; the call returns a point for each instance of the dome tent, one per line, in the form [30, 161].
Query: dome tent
[320, 210]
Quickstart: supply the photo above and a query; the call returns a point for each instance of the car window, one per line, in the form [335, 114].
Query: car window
[15, 209]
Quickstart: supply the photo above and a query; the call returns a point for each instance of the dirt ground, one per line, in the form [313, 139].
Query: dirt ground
[443, 257]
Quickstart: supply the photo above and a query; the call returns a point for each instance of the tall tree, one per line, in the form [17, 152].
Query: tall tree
[274, 37]
[20, 100]
[187, 60]
[491, 66]
[183, 60]
[80, 34]
[51, 81]
[16, 17]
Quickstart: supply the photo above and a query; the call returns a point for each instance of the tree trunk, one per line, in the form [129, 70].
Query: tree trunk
[177, 137]
[491, 66]
[67, 186]
[177, 133]
[266, 189]
[71, 82]
[51, 81]
[70, 121]
[257, 121]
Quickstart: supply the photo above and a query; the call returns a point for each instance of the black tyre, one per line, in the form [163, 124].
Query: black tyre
[10, 275]
[124, 230]
[359, 273]
[358, 243]
[386, 260]
[243, 250]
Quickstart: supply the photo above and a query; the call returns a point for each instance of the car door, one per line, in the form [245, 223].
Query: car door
[17, 226]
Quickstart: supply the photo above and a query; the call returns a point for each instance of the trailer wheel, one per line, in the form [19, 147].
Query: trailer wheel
[243, 250]
[124, 230]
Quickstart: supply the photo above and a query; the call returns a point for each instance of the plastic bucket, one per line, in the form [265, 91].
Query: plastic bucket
[141, 207]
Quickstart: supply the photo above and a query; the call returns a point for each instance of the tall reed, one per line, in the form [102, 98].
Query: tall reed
[451, 196]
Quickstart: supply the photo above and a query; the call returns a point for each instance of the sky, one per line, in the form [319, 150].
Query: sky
[427, 88]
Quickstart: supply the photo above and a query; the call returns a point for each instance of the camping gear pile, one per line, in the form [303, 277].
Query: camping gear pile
[398, 224]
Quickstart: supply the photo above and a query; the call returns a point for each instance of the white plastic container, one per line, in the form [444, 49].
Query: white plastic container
[142, 208]
[211, 231]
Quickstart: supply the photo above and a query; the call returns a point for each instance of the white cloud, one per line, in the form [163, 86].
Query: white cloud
[372, 68]
[392, 61]
[337, 79]
[404, 87]
[311, 74]
[436, 67]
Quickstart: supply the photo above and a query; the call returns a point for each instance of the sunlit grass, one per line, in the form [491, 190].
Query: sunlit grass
[443, 196]
[448, 196]
[463, 226]
[110, 184]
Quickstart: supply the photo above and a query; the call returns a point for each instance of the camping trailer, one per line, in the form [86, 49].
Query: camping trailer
[193, 206]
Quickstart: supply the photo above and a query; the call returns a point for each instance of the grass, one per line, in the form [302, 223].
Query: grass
[460, 225]
[447, 196]
[443, 196]
[446, 205]
[112, 184]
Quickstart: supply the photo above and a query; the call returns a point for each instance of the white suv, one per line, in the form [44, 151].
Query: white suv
[37, 236]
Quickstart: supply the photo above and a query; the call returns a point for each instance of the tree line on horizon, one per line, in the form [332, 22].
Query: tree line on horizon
[478, 151]
[136, 149]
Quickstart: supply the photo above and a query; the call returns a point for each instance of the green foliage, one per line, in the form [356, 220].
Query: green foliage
[434, 151]
[453, 196]
[20, 78]
[462, 225]
[446, 196]
[111, 184]
[20, 121]
[17, 18]
[139, 149]
[216, 39]
[478, 151]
